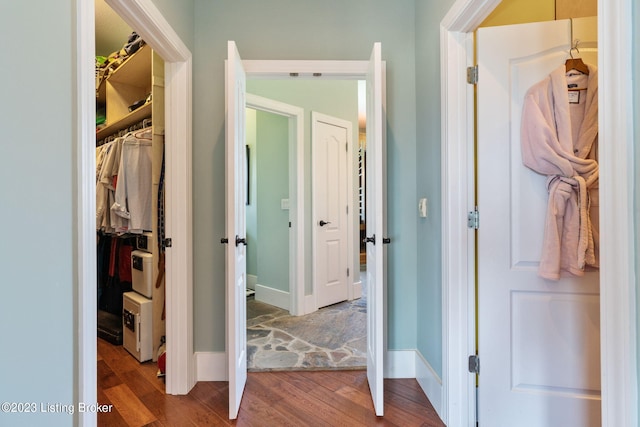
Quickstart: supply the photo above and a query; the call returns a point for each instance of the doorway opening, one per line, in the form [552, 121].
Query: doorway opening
[271, 325]
[130, 121]
[156, 31]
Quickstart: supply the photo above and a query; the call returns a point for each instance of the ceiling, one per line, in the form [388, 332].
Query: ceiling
[111, 31]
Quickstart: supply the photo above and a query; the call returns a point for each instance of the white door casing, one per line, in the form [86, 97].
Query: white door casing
[235, 188]
[158, 33]
[376, 229]
[538, 340]
[330, 139]
[374, 72]
[295, 116]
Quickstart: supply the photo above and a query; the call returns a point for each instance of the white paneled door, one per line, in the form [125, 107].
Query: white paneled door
[235, 190]
[376, 228]
[330, 139]
[235, 216]
[538, 340]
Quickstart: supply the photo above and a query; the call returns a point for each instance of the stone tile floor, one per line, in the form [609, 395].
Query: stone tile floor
[333, 337]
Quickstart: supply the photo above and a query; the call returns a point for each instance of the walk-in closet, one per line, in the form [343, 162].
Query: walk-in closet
[129, 194]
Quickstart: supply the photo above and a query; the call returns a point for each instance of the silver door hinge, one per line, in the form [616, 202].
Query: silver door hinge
[346, 147]
[473, 219]
[474, 364]
[472, 75]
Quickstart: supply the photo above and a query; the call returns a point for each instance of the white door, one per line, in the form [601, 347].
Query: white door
[235, 192]
[538, 340]
[330, 139]
[376, 228]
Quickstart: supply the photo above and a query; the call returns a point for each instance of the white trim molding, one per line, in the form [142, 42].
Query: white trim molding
[411, 364]
[273, 296]
[85, 204]
[618, 345]
[430, 382]
[458, 407]
[211, 366]
[149, 22]
[295, 116]
[617, 275]
[151, 25]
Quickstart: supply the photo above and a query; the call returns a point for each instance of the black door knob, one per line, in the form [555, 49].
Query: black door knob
[323, 223]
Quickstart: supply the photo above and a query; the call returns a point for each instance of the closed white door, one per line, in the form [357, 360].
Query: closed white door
[376, 229]
[235, 192]
[330, 140]
[538, 340]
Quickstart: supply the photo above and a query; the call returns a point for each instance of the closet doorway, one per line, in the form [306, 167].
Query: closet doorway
[159, 35]
[130, 186]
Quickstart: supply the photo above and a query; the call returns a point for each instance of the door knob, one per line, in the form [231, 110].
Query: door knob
[323, 223]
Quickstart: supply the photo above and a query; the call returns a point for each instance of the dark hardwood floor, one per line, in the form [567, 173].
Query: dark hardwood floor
[300, 398]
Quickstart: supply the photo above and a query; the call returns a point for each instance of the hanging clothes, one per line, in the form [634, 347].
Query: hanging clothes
[559, 138]
[132, 206]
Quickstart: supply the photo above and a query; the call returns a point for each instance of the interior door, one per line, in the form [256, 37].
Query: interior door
[376, 228]
[330, 137]
[538, 340]
[235, 192]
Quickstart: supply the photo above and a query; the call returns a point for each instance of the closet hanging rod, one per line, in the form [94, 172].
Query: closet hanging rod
[122, 132]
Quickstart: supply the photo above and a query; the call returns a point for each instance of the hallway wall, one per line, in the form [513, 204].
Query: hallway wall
[287, 29]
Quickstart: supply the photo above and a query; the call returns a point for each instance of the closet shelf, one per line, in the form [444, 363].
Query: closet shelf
[128, 120]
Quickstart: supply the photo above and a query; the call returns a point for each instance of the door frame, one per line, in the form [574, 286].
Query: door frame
[295, 116]
[351, 224]
[305, 69]
[617, 275]
[158, 33]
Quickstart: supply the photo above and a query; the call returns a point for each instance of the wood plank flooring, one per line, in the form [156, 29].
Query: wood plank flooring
[299, 398]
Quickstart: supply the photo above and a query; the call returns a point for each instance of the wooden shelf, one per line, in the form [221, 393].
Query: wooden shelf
[133, 117]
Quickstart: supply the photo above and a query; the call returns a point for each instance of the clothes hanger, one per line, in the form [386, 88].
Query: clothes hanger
[576, 63]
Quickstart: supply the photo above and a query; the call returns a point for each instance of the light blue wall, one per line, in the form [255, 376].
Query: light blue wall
[337, 98]
[272, 173]
[288, 29]
[37, 253]
[180, 15]
[429, 272]
[38, 182]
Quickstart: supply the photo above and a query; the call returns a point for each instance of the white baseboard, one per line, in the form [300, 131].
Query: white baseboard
[357, 289]
[310, 304]
[430, 383]
[411, 364]
[400, 364]
[211, 366]
[252, 280]
[271, 296]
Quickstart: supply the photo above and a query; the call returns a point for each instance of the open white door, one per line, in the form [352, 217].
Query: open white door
[538, 340]
[235, 191]
[376, 229]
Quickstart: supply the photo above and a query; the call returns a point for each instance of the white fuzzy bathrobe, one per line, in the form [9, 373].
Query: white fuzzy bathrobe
[559, 139]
